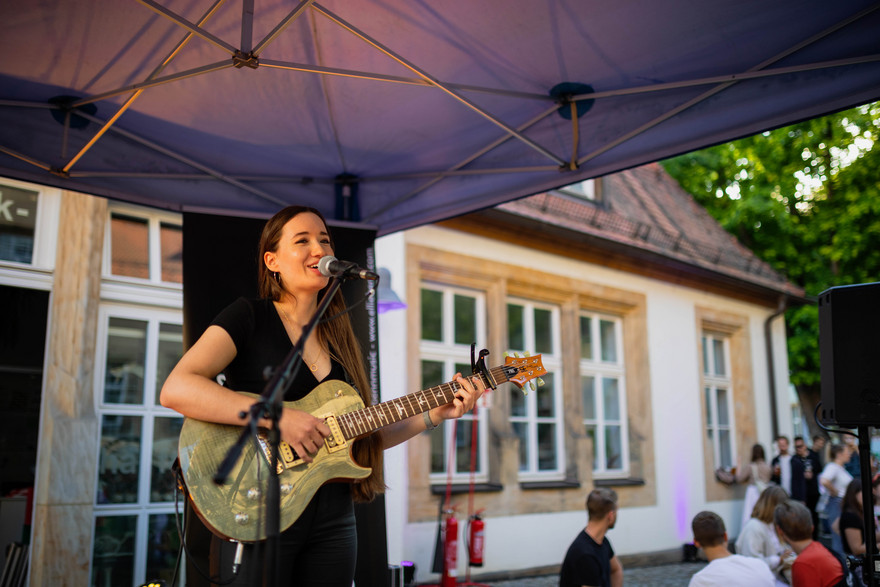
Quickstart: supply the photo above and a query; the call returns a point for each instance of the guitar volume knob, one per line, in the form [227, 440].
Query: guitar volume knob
[241, 518]
[253, 494]
[286, 488]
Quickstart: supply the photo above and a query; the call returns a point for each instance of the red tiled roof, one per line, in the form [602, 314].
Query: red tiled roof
[645, 208]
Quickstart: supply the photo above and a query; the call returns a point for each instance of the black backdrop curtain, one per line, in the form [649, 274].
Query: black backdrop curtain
[220, 261]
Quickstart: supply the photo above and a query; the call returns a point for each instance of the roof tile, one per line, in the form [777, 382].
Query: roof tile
[646, 208]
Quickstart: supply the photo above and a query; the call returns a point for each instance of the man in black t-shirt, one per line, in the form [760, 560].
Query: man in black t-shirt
[590, 560]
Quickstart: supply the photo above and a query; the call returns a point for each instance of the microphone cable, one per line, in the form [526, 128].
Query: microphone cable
[180, 487]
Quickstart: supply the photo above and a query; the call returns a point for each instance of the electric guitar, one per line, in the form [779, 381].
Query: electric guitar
[233, 510]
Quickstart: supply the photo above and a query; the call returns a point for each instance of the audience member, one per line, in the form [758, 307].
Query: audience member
[758, 538]
[853, 465]
[788, 472]
[724, 568]
[819, 448]
[851, 522]
[875, 493]
[812, 469]
[815, 565]
[833, 483]
[590, 560]
[757, 475]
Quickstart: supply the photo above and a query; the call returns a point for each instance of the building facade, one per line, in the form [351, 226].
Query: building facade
[663, 343]
[659, 333]
[107, 279]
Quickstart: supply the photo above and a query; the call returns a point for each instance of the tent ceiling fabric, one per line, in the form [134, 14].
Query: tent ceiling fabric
[419, 110]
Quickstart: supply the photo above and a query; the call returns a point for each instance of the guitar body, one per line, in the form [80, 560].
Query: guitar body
[235, 509]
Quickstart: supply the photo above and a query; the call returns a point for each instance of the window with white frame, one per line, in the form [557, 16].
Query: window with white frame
[135, 536]
[584, 190]
[603, 392]
[144, 245]
[28, 233]
[18, 222]
[536, 416]
[452, 319]
[717, 398]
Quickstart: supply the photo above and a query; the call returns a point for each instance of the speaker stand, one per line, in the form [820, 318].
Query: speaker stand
[871, 571]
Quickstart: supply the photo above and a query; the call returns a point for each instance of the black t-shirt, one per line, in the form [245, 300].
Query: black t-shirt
[260, 342]
[811, 462]
[850, 519]
[587, 563]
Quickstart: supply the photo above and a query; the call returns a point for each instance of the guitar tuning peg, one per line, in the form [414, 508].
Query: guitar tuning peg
[527, 354]
[532, 385]
[540, 381]
[506, 354]
[516, 355]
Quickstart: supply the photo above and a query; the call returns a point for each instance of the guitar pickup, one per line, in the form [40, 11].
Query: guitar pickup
[287, 457]
[336, 441]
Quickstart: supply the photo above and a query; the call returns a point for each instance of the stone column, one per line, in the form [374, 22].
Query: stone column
[65, 481]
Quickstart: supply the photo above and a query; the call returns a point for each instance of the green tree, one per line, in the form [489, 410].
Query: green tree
[806, 199]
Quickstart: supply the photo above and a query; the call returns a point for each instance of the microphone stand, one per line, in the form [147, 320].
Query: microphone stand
[270, 406]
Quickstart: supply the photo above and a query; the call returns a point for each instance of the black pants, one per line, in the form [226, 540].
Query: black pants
[811, 502]
[319, 549]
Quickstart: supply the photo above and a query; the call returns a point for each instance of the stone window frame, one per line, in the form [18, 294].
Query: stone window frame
[736, 328]
[500, 280]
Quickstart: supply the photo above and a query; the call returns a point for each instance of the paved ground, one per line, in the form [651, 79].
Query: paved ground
[669, 575]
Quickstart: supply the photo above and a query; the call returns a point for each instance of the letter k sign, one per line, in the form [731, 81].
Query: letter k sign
[4, 208]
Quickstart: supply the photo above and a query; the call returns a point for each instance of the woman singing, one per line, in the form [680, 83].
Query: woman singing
[320, 548]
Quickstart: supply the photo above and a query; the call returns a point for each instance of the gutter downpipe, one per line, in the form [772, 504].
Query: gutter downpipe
[768, 343]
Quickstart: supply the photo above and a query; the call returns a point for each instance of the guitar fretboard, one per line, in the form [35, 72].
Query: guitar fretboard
[367, 420]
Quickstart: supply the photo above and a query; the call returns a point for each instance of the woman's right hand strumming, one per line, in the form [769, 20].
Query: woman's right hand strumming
[303, 432]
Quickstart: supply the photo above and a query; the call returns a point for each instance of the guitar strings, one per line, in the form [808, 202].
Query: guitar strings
[354, 424]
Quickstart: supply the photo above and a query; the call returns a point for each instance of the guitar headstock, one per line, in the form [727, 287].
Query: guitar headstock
[526, 369]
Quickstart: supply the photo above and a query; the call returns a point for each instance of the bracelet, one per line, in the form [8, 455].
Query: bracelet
[429, 424]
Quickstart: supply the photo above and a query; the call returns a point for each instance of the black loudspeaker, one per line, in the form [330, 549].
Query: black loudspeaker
[849, 354]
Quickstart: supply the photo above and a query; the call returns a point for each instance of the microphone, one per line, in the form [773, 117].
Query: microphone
[333, 267]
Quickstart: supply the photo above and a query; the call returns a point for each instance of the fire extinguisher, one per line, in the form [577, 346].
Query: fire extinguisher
[450, 551]
[476, 537]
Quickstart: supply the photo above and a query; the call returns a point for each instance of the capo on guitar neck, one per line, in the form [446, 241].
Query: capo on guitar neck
[478, 366]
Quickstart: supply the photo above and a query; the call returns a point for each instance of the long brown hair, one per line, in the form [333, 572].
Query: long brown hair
[339, 336]
[851, 497]
[758, 453]
[767, 502]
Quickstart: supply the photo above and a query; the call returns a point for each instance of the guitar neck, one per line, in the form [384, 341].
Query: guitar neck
[368, 420]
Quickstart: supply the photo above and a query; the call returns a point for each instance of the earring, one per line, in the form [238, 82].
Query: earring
[277, 277]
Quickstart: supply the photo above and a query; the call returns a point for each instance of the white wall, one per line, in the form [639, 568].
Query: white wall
[393, 376]
[529, 541]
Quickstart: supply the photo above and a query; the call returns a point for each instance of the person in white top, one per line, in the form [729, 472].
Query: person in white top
[832, 485]
[758, 537]
[789, 472]
[725, 569]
